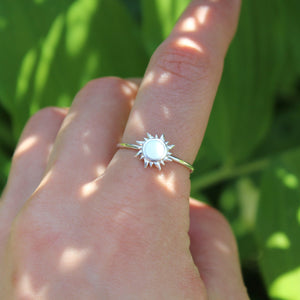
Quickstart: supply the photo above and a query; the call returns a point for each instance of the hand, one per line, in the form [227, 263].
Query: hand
[81, 220]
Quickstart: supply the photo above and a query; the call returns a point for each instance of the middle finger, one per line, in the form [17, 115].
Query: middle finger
[95, 122]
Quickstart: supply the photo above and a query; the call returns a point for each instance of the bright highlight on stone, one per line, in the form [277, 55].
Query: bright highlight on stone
[154, 151]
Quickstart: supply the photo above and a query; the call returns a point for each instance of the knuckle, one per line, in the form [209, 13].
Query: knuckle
[33, 234]
[214, 216]
[45, 115]
[115, 87]
[216, 224]
[103, 82]
[186, 63]
[41, 122]
[128, 228]
[44, 119]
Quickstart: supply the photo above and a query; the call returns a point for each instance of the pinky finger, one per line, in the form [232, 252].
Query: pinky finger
[29, 160]
[215, 254]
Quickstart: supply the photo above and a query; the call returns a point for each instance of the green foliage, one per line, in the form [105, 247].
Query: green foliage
[248, 165]
[159, 18]
[278, 226]
[243, 110]
[54, 49]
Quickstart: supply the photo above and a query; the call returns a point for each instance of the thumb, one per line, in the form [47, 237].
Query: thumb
[215, 254]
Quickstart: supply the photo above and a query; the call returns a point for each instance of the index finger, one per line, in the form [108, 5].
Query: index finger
[180, 83]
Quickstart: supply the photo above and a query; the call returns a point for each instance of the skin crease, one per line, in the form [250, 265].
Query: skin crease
[80, 219]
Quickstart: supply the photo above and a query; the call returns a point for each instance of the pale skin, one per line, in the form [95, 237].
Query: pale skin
[81, 219]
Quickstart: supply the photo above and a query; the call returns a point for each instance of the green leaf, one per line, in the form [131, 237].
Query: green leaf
[6, 140]
[4, 169]
[159, 17]
[50, 49]
[292, 49]
[284, 134]
[278, 227]
[238, 202]
[253, 69]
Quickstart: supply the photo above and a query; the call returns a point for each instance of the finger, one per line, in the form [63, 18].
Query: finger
[214, 251]
[89, 134]
[176, 95]
[174, 98]
[30, 159]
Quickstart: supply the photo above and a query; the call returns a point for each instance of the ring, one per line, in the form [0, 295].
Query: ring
[155, 151]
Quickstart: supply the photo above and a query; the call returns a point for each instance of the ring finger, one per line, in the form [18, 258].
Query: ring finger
[29, 163]
[177, 93]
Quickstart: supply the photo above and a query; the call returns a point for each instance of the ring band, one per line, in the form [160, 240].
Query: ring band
[155, 151]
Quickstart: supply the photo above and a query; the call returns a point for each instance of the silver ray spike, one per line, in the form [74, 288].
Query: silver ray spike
[138, 153]
[151, 164]
[162, 137]
[146, 162]
[157, 164]
[149, 135]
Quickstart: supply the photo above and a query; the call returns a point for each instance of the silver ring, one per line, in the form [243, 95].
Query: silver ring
[155, 151]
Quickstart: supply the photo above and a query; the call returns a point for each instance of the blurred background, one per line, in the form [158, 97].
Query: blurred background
[249, 164]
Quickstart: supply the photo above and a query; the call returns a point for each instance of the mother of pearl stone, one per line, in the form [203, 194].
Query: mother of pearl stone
[154, 149]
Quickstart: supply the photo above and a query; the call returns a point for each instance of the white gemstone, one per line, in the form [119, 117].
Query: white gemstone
[154, 149]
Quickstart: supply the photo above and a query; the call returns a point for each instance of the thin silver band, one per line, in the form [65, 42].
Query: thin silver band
[174, 158]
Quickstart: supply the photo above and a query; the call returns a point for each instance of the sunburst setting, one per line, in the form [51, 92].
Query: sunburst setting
[154, 150]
